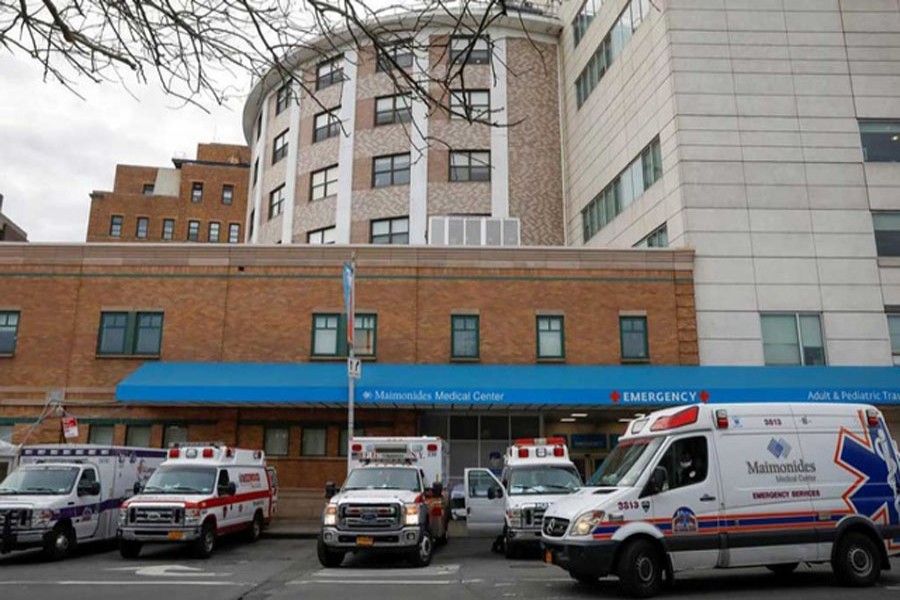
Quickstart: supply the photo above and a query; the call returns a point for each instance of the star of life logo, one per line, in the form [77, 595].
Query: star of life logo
[779, 448]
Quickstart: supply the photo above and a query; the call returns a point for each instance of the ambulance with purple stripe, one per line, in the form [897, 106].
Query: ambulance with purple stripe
[63, 495]
[738, 485]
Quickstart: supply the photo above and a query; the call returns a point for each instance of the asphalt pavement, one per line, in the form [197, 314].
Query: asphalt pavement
[276, 569]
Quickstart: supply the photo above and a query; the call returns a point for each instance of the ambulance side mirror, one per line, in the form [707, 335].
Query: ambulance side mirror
[657, 481]
[330, 490]
[437, 489]
[230, 489]
[494, 493]
[138, 488]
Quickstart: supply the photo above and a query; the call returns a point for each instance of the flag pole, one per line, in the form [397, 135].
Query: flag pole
[350, 300]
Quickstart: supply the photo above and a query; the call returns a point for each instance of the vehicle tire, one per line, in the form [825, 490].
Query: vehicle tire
[421, 556]
[784, 569]
[256, 527]
[59, 543]
[205, 545]
[330, 559]
[442, 541]
[583, 578]
[511, 549]
[129, 549]
[856, 562]
[640, 569]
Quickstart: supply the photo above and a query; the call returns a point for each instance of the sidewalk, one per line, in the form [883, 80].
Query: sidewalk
[295, 529]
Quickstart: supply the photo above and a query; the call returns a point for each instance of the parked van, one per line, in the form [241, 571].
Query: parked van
[202, 491]
[736, 485]
[63, 495]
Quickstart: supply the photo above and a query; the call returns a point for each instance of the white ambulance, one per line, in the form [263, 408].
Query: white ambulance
[202, 491]
[536, 473]
[393, 500]
[61, 495]
[736, 485]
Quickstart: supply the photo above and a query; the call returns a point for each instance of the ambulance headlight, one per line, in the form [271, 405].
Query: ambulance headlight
[192, 516]
[586, 523]
[412, 514]
[330, 516]
[123, 517]
[514, 517]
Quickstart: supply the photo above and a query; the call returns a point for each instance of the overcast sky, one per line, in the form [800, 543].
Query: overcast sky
[56, 148]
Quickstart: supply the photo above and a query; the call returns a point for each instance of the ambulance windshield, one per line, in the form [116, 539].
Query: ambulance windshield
[624, 466]
[543, 480]
[40, 480]
[181, 480]
[383, 478]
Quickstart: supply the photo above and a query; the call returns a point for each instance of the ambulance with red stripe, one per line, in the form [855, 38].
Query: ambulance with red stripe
[739, 485]
[201, 491]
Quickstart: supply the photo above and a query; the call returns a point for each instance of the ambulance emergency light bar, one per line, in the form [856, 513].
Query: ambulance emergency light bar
[540, 445]
[207, 450]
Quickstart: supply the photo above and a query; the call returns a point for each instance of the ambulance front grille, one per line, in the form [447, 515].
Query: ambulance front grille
[533, 517]
[14, 519]
[555, 527]
[370, 516]
[156, 515]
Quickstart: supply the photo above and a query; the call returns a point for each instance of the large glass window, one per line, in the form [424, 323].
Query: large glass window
[397, 55]
[101, 434]
[214, 231]
[880, 140]
[227, 194]
[138, 436]
[142, 229]
[327, 124]
[470, 104]
[470, 51]
[6, 434]
[280, 146]
[393, 109]
[464, 336]
[633, 332]
[658, 238]
[282, 98]
[390, 231]
[193, 231]
[276, 201]
[390, 170]
[123, 333]
[277, 441]
[792, 339]
[9, 331]
[115, 226]
[330, 72]
[197, 192]
[470, 165]
[686, 462]
[550, 340]
[323, 183]
[174, 434]
[330, 339]
[887, 233]
[168, 230]
[314, 441]
[148, 333]
[326, 235]
[234, 233]
[583, 19]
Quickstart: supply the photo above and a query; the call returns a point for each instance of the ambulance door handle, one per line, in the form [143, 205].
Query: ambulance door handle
[707, 498]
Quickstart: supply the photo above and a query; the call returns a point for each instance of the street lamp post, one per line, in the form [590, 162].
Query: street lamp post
[349, 278]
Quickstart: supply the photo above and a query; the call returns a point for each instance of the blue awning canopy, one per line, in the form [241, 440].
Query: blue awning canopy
[490, 386]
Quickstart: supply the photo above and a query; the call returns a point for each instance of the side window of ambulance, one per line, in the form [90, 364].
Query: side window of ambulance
[479, 484]
[686, 462]
[222, 484]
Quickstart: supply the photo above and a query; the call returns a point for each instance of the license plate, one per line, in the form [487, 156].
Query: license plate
[176, 535]
[548, 557]
[364, 541]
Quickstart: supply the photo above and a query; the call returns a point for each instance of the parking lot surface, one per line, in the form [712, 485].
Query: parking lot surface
[282, 569]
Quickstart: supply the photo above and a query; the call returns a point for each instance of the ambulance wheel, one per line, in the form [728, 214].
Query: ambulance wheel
[783, 569]
[205, 545]
[330, 559]
[640, 569]
[59, 543]
[129, 549]
[511, 549]
[856, 562]
[421, 556]
[254, 532]
[442, 541]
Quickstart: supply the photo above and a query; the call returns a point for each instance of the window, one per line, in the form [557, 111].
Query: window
[123, 333]
[6, 434]
[585, 15]
[277, 441]
[330, 72]
[629, 185]
[280, 146]
[148, 189]
[9, 331]
[143, 225]
[330, 339]
[214, 229]
[323, 183]
[686, 463]
[326, 235]
[880, 140]
[464, 336]
[313, 441]
[633, 333]
[470, 165]
[115, 226]
[137, 436]
[174, 434]
[193, 231]
[550, 337]
[282, 97]
[327, 125]
[470, 51]
[887, 233]
[792, 339]
[196, 192]
[893, 328]
[397, 55]
[168, 229]
[658, 238]
[610, 48]
[393, 109]
[88, 479]
[101, 434]
[390, 231]
[255, 171]
[276, 201]
[234, 233]
[470, 104]
[227, 194]
[390, 170]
